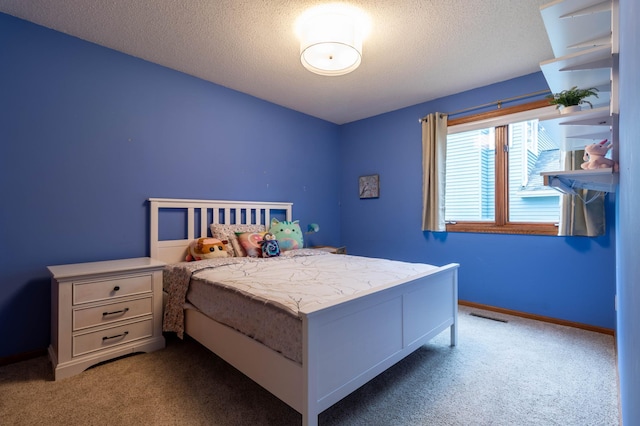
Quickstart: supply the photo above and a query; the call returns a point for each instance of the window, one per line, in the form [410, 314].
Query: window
[493, 166]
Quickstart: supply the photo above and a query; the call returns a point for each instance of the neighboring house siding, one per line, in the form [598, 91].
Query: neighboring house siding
[523, 206]
[519, 208]
[488, 184]
[465, 181]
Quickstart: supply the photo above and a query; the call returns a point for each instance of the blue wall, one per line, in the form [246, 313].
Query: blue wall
[88, 134]
[571, 278]
[628, 332]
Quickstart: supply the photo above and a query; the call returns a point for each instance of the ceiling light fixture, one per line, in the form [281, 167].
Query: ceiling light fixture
[331, 38]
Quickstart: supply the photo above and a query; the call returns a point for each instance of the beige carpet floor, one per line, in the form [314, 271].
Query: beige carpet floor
[521, 372]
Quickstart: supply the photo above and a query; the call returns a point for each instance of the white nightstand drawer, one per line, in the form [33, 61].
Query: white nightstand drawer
[84, 343]
[105, 314]
[93, 291]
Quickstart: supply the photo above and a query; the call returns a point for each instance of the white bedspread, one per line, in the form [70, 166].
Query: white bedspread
[309, 282]
[263, 298]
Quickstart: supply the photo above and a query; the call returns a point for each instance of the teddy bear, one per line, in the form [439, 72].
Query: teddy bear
[206, 248]
[594, 156]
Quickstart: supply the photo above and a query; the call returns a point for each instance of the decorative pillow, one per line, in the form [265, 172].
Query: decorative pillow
[206, 248]
[251, 243]
[288, 234]
[238, 251]
[228, 232]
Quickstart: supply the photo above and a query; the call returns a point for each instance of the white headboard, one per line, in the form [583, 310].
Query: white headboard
[241, 212]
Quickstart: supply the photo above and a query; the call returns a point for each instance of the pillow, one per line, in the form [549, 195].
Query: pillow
[250, 242]
[228, 232]
[288, 234]
[238, 251]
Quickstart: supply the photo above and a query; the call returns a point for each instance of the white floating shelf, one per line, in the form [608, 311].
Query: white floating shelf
[587, 44]
[590, 117]
[604, 6]
[585, 69]
[571, 25]
[574, 131]
[605, 134]
[596, 114]
[604, 180]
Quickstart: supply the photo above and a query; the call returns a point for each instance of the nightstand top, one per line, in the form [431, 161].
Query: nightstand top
[104, 267]
[332, 249]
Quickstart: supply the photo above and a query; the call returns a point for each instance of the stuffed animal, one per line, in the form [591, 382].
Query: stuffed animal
[206, 248]
[594, 156]
[288, 234]
[270, 246]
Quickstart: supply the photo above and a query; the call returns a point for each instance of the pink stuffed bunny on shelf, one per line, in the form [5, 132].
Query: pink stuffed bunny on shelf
[594, 156]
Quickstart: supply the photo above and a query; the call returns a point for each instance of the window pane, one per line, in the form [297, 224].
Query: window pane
[532, 151]
[470, 176]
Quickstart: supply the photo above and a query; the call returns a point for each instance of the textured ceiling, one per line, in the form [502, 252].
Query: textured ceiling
[418, 50]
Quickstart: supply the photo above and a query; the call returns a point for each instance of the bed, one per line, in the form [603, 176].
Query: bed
[344, 343]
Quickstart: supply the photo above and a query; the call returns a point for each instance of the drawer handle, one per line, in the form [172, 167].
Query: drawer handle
[117, 336]
[121, 311]
[116, 288]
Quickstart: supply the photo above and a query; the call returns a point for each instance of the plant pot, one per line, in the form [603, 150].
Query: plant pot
[570, 109]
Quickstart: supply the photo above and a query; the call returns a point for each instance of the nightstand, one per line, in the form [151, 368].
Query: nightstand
[103, 310]
[331, 249]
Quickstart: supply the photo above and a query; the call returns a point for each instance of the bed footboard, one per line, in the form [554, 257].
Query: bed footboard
[346, 345]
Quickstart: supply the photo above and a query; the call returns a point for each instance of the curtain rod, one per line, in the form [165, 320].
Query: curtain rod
[499, 103]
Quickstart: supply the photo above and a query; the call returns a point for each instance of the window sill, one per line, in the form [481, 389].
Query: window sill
[518, 229]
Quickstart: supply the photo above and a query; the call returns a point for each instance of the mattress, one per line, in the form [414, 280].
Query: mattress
[263, 298]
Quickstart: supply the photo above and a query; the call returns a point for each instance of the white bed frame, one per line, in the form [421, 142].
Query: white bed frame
[345, 344]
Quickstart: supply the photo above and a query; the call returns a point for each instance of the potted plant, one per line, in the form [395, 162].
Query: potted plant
[572, 99]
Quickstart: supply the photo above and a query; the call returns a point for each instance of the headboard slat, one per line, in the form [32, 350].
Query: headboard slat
[190, 225]
[204, 217]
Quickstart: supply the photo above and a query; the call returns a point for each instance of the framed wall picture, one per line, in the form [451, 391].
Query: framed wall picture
[369, 186]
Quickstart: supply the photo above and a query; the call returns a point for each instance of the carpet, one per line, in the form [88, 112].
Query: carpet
[519, 372]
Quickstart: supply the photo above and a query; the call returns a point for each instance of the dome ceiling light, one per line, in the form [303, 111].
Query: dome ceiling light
[331, 38]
